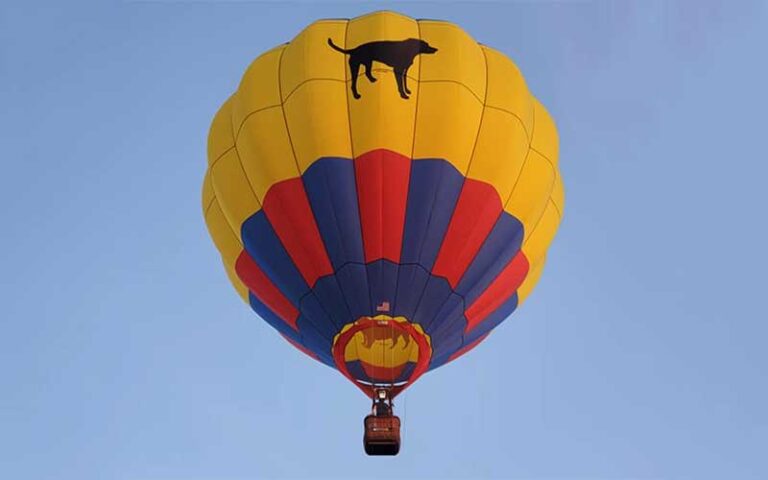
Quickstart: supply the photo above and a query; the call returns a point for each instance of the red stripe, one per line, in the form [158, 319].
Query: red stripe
[302, 348]
[382, 191]
[498, 292]
[477, 210]
[287, 208]
[266, 291]
[466, 348]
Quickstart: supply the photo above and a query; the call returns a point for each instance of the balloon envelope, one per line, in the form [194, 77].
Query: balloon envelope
[383, 191]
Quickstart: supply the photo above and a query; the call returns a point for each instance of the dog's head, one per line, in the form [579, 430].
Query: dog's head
[424, 47]
[417, 46]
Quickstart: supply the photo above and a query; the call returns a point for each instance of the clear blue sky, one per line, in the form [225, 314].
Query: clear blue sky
[126, 355]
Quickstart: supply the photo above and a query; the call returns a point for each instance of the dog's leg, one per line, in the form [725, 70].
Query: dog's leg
[405, 82]
[399, 77]
[354, 68]
[369, 72]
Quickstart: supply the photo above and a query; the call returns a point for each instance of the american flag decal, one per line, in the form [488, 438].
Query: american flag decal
[384, 307]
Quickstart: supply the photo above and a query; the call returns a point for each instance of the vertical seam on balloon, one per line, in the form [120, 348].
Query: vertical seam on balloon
[544, 211]
[410, 174]
[234, 232]
[210, 204]
[525, 160]
[298, 171]
[338, 230]
[469, 166]
[429, 219]
[464, 177]
[285, 119]
[354, 179]
[348, 75]
[556, 177]
[226, 218]
[471, 156]
[211, 174]
[354, 163]
[557, 209]
[410, 171]
[351, 138]
[463, 183]
[242, 167]
[536, 225]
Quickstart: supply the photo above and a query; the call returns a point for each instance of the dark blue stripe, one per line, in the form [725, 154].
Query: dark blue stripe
[332, 192]
[449, 317]
[436, 293]
[432, 194]
[314, 320]
[502, 243]
[353, 280]
[382, 282]
[328, 292]
[446, 347]
[263, 245]
[447, 331]
[411, 282]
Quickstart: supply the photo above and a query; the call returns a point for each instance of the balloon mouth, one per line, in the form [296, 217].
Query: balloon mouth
[389, 352]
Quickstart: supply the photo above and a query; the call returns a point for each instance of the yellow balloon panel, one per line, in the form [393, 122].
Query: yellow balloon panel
[309, 57]
[259, 88]
[380, 26]
[381, 118]
[502, 145]
[220, 136]
[208, 195]
[265, 150]
[448, 121]
[507, 89]
[538, 240]
[545, 139]
[458, 58]
[235, 195]
[532, 189]
[223, 237]
[318, 122]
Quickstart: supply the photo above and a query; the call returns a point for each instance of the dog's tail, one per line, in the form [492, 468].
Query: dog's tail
[337, 48]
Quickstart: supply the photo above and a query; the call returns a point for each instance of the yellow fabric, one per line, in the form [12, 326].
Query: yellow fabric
[389, 350]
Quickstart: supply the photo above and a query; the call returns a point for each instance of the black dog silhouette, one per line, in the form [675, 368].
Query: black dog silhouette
[397, 54]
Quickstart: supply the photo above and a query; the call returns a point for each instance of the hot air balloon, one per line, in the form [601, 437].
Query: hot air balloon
[383, 191]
